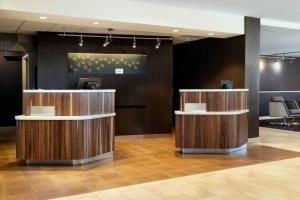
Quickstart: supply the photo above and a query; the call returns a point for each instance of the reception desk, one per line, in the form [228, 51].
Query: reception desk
[212, 120]
[66, 126]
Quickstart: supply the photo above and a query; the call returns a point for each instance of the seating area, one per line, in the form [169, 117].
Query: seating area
[287, 109]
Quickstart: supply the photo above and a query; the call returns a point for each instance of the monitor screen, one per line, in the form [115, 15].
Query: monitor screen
[226, 84]
[89, 83]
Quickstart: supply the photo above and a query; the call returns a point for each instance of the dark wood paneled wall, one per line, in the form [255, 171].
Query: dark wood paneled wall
[11, 90]
[74, 104]
[216, 101]
[64, 140]
[252, 49]
[202, 64]
[211, 131]
[143, 101]
[11, 74]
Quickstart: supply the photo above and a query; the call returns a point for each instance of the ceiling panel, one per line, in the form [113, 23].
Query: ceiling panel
[31, 27]
[276, 40]
[9, 25]
[100, 30]
[287, 10]
[66, 28]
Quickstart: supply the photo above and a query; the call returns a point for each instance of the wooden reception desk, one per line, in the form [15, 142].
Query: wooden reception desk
[212, 121]
[66, 126]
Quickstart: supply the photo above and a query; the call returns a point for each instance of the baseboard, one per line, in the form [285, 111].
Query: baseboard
[159, 135]
[254, 140]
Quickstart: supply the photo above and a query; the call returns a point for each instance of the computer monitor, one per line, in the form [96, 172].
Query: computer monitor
[89, 83]
[226, 84]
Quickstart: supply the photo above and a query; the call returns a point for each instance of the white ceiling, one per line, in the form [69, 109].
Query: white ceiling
[287, 10]
[273, 39]
[32, 27]
[276, 40]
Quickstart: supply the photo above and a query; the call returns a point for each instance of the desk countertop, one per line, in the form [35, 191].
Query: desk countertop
[213, 90]
[211, 113]
[67, 91]
[47, 117]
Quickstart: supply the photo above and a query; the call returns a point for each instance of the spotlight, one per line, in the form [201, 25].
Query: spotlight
[157, 44]
[292, 60]
[107, 41]
[43, 17]
[277, 66]
[134, 43]
[261, 65]
[80, 41]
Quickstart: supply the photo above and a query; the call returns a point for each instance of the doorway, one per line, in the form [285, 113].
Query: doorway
[11, 94]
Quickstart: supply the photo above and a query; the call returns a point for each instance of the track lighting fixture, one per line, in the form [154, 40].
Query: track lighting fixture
[109, 37]
[280, 57]
[107, 41]
[80, 41]
[157, 44]
[134, 43]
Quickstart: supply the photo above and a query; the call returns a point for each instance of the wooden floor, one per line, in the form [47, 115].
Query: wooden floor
[137, 160]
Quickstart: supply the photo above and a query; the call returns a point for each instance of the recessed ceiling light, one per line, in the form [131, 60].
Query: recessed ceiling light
[95, 23]
[210, 34]
[43, 17]
[175, 30]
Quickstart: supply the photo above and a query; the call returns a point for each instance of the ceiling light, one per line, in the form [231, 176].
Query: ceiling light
[261, 65]
[80, 41]
[175, 30]
[157, 44]
[134, 43]
[210, 34]
[43, 17]
[95, 23]
[107, 41]
[277, 66]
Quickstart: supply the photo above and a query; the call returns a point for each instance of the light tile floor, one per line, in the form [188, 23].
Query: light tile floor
[270, 180]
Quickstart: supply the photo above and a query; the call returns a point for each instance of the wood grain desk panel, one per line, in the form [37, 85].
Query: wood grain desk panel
[71, 103]
[64, 140]
[222, 127]
[211, 131]
[216, 101]
[82, 129]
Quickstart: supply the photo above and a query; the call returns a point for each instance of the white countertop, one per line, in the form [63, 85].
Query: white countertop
[67, 91]
[238, 112]
[47, 117]
[213, 90]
